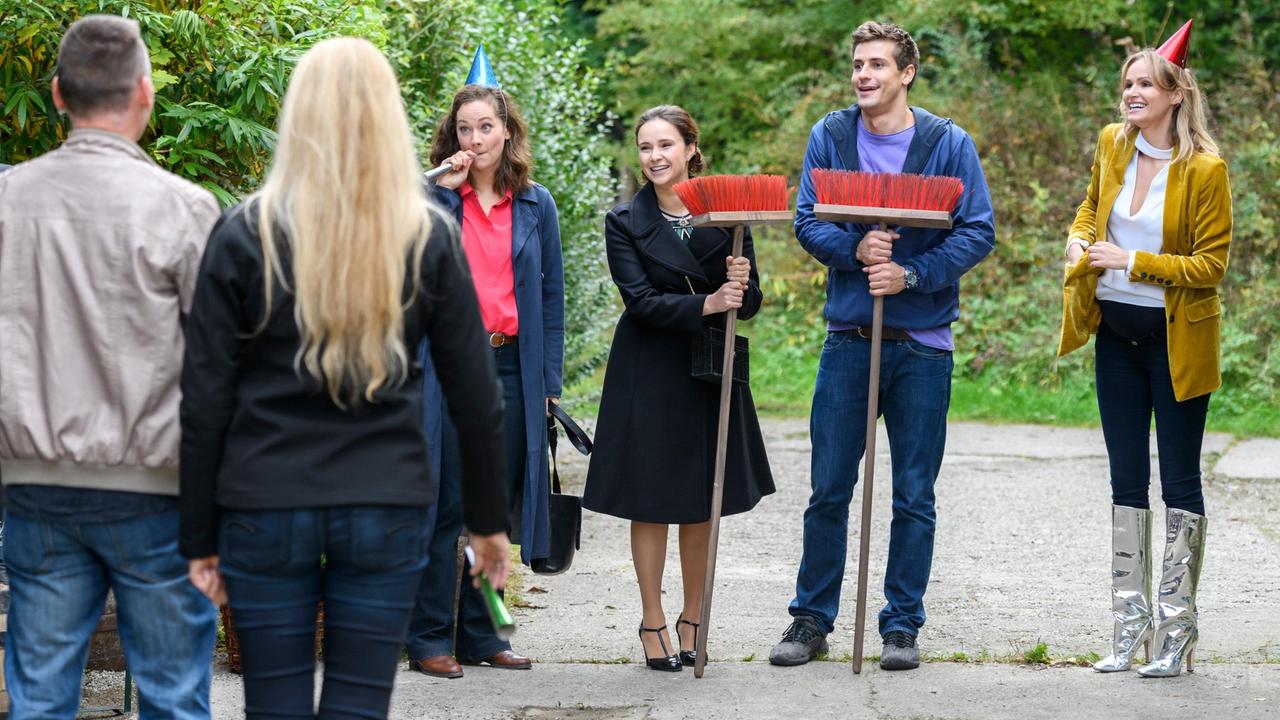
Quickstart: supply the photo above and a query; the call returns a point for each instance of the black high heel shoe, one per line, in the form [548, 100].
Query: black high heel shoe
[688, 657]
[666, 663]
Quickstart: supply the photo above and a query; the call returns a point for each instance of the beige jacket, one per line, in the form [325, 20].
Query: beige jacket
[99, 250]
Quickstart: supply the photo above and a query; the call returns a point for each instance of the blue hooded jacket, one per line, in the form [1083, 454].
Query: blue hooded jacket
[939, 256]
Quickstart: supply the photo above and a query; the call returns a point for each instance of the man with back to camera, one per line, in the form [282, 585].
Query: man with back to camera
[99, 249]
[918, 272]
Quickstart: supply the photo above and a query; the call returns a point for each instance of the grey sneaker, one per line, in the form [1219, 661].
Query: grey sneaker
[802, 642]
[900, 652]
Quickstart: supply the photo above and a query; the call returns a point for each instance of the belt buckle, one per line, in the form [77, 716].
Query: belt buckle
[862, 332]
[497, 340]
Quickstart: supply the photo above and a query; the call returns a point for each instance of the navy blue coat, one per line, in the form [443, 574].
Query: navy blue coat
[539, 284]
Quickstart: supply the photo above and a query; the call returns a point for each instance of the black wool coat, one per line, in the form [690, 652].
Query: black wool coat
[655, 442]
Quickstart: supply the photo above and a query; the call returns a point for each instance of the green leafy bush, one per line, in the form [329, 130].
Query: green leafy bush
[221, 67]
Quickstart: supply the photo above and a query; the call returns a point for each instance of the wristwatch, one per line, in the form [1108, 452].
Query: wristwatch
[911, 278]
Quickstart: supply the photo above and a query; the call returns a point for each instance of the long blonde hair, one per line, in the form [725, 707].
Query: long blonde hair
[345, 192]
[1190, 127]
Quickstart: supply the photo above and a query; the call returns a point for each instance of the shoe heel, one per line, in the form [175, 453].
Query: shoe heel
[666, 663]
[688, 657]
[1190, 665]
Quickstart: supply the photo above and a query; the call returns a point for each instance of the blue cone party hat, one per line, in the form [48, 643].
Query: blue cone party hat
[481, 72]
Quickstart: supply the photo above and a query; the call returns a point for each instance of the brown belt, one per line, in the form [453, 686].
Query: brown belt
[497, 340]
[887, 333]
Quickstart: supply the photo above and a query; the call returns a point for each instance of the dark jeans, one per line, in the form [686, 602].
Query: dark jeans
[272, 561]
[431, 630]
[915, 393]
[1133, 381]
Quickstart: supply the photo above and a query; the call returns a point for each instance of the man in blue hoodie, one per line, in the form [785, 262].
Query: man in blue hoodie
[918, 272]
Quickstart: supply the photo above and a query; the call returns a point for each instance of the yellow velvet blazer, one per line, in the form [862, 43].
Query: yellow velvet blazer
[1192, 261]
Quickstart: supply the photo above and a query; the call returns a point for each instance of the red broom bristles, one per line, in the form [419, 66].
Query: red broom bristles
[886, 190]
[733, 193]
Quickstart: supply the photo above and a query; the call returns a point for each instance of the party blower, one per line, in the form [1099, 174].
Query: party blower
[881, 199]
[504, 626]
[435, 173]
[728, 201]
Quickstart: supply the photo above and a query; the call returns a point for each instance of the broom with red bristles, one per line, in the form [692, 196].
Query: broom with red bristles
[728, 201]
[881, 199]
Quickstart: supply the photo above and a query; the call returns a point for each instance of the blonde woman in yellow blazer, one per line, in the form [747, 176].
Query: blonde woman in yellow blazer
[1146, 252]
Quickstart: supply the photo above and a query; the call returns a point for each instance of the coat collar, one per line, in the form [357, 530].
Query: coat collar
[524, 214]
[93, 140]
[1175, 187]
[524, 219]
[655, 238]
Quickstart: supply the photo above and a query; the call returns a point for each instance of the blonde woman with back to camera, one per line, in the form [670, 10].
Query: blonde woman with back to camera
[1146, 253]
[304, 471]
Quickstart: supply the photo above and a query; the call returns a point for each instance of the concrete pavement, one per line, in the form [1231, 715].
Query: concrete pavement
[1022, 558]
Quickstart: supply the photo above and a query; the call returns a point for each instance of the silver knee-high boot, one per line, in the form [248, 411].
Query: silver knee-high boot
[1130, 586]
[1176, 629]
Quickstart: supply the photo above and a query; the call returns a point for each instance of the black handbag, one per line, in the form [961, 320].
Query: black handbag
[708, 356]
[566, 510]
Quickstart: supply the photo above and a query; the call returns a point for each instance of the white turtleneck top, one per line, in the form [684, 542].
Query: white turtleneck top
[1143, 230]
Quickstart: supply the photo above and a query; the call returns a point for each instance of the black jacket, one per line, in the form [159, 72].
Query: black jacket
[655, 440]
[257, 435]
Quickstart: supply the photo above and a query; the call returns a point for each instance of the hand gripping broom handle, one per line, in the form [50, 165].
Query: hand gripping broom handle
[717, 488]
[868, 475]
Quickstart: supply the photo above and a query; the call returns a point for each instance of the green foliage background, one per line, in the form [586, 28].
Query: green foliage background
[221, 67]
[1033, 81]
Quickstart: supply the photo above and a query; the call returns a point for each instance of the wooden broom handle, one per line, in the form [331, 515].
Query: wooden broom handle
[717, 487]
[868, 476]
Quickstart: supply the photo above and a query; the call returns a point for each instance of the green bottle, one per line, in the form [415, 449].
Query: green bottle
[504, 626]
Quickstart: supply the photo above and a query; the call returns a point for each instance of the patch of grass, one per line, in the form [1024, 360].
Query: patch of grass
[749, 658]
[1038, 655]
[959, 657]
[511, 595]
[977, 400]
[620, 660]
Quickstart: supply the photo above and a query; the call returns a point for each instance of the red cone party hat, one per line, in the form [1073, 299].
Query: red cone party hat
[1175, 48]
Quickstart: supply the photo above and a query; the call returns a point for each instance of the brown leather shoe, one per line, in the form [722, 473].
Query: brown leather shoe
[441, 666]
[506, 659]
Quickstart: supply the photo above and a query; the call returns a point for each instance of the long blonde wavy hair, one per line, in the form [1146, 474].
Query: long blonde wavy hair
[345, 192]
[1190, 127]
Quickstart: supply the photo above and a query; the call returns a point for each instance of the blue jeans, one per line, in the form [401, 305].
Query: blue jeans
[1133, 382]
[364, 562]
[915, 392]
[59, 576]
[432, 629]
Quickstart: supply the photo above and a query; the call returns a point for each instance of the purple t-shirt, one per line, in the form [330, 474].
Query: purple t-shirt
[888, 153]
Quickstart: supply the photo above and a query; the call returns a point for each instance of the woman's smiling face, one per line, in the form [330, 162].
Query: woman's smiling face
[1144, 103]
[664, 155]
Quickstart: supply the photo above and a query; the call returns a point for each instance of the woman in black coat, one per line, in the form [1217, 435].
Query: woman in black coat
[654, 455]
